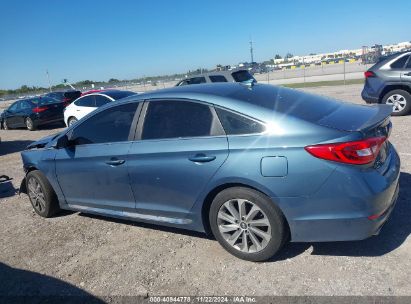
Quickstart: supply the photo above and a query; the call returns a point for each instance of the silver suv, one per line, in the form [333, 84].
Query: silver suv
[238, 75]
[389, 82]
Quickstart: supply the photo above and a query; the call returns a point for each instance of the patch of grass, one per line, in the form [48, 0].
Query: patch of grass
[322, 83]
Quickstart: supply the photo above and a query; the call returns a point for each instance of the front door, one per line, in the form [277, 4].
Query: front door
[93, 171]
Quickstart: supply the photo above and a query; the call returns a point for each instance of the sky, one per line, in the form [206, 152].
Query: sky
[99, 40]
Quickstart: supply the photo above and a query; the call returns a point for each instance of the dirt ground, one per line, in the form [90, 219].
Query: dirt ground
[80, 254]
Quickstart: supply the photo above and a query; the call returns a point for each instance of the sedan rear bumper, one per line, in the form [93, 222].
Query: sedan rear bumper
[344, 229]
[352, 205]
[369, 98]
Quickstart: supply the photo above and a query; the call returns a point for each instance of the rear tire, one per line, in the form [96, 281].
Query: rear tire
[247, 224]
[400, 100]
[41, 194]
[30, 124]
[71, 121]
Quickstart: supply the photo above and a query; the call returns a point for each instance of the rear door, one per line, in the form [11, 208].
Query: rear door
[53, 109]
[181, 146]
[93, 173]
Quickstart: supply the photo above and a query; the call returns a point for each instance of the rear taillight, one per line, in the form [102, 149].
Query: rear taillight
[369, 74]
[354, 152]
[39, 109]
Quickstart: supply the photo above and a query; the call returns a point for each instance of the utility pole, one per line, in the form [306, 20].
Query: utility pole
[48, 78]
[251, 50]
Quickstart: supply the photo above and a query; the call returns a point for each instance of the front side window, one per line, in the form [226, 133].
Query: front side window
[236, 124]
[14, 107]
[196, 80]
[400, 63]
[110, 125]
[217, 78]
[177, 119]
[87, 101]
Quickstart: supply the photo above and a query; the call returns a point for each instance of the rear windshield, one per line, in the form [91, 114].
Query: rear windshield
[243, 76]
[40, 101]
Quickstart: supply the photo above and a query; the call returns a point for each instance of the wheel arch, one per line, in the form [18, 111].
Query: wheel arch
[23, 185]
[205, 208]
[392, 87]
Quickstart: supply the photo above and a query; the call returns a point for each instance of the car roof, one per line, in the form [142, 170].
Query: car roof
[261, 101]
[224, 73]
[115, 94]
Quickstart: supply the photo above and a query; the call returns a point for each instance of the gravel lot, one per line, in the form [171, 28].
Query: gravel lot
[77, 254]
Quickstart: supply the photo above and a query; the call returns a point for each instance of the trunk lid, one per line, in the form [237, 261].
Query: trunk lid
[351, 117]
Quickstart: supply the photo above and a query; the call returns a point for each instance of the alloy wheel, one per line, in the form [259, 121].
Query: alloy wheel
[72, 121]
[397, 101]
[29, 123]
[244, 225]
[36, 195]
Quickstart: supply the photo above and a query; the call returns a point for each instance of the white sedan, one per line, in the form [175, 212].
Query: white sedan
[90, 102]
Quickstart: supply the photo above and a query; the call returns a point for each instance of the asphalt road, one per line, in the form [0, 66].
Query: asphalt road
[80, 254]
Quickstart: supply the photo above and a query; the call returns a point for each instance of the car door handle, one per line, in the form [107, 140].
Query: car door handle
[115, 162]
[408, 74]
[201, 158]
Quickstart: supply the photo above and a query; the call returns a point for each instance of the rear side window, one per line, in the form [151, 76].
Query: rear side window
[176, 119]
[87, 101]
[242, 76]
[217, 78]
[409, 63]
[235, 124]
[110, 125]
[101, 100]
[26, 105]
[400, 63]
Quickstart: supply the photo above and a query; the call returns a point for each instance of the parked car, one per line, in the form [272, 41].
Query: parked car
[32, 112]
[240, 75]
[67, 97]
[389, 82]
[255, 166]
[90, 102]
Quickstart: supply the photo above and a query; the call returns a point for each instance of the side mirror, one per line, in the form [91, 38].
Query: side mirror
[63, 142]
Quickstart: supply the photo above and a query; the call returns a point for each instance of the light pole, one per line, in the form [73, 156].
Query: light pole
[48, 78]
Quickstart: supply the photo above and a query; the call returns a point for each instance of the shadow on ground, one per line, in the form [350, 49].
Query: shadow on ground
[6, 187]
[24, 286]
[8, 147]
[392, 235]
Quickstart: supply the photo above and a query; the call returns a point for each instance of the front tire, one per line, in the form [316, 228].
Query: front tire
[247, 224]
[5, 126]
[41, 194]
[400, 100]
[30, 124]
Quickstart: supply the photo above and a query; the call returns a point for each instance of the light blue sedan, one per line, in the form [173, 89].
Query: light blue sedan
[254, 165]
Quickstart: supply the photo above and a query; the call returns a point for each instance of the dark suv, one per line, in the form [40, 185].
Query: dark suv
[389, 82]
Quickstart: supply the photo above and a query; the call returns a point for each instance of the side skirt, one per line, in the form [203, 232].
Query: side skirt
[130, 215]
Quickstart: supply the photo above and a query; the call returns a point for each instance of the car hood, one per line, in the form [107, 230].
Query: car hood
[42, 143]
